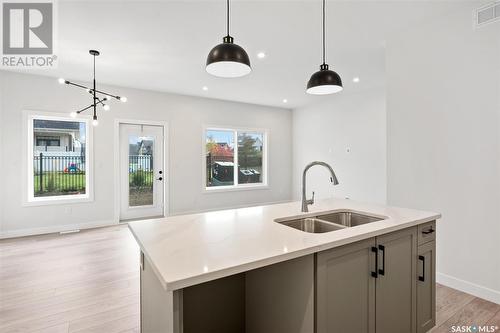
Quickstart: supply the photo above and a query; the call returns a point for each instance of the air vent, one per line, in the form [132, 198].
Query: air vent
[487, 14]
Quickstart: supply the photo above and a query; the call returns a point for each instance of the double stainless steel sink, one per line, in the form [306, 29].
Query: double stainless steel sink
[329, 221]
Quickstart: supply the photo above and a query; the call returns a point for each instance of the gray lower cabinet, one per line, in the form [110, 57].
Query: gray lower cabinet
[371, 286]
[395, 285]
[426, 287]
[345, 290]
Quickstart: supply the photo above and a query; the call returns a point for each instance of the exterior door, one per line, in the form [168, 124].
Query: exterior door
[141, 171]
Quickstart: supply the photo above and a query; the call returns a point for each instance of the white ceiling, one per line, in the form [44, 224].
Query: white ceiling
[163, 45]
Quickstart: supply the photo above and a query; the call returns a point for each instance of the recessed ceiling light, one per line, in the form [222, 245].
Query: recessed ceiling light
[355, 80]
[285, 100]
[261, 55]
[205, 88]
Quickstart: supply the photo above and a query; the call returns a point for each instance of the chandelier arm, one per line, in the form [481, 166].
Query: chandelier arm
[107, 94]
[85, 109]
[77, 85]
[91, 90]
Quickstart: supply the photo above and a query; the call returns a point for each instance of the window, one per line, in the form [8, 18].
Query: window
[47, 141]
[58, 158]
[234, 158]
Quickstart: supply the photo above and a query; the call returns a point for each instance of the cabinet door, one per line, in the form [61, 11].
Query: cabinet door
[345, 289]
[426, 287]
[395, 286]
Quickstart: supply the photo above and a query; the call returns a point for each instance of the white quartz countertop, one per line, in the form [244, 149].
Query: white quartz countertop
[186, 250]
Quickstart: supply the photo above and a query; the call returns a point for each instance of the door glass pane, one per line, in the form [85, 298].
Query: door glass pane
[59, 163]
[140, 171]
[220, 158]
[250, 147]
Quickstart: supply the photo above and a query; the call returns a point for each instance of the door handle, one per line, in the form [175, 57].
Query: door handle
[375, 272]
[422, 277]
[382, 271]
[426, 232]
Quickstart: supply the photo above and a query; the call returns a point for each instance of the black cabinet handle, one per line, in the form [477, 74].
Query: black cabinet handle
[382, 271]
[375, 273]
[161, 178]
[430, 231]
[422, 277]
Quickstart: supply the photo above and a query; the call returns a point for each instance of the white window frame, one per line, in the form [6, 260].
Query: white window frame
[236, 187]
[29, 197]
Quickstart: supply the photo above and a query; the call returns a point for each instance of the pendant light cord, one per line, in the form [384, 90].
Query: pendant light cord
[94, 94]
[227, 2]
[324, 52]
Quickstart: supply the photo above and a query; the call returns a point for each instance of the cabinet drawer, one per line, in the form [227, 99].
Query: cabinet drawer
[426, 232]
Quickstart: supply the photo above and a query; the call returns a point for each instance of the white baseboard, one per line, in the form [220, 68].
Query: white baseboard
[469, 287]
[54, 229]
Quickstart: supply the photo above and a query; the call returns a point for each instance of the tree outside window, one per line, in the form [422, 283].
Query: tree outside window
[230, 165]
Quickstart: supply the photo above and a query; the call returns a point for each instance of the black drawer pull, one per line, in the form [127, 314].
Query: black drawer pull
[374, 273]
[426, 232]
[422, 277]
[382, 271]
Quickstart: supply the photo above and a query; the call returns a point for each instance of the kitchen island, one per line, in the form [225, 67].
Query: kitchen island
[251, 270]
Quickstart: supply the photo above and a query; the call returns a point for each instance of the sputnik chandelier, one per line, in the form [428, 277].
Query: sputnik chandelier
[99, 97]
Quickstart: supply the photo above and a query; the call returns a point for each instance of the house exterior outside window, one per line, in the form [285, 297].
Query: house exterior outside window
[58, 158]
[234, 159]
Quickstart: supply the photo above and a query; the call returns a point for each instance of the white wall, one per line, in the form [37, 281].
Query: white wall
[1, 152]
[186, 117]
[443, 108]
[327, 130]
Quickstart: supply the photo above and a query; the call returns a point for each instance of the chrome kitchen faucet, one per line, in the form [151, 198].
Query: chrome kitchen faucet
[333, 178]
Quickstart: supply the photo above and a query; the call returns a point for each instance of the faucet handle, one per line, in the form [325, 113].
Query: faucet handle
[312, 200]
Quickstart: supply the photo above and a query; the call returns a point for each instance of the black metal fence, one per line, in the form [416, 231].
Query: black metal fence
[141, 170]
[58, 175]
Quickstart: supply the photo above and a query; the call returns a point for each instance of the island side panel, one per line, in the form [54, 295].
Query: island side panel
[280, 297]
[160, 309]
[215, 306]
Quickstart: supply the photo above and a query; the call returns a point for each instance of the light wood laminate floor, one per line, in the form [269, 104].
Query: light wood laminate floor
[89, 282]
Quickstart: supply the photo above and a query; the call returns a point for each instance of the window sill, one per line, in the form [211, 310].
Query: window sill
[46, 201]
[222, 189]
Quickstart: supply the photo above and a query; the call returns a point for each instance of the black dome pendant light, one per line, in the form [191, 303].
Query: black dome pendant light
[324, 81]
[228, 59]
